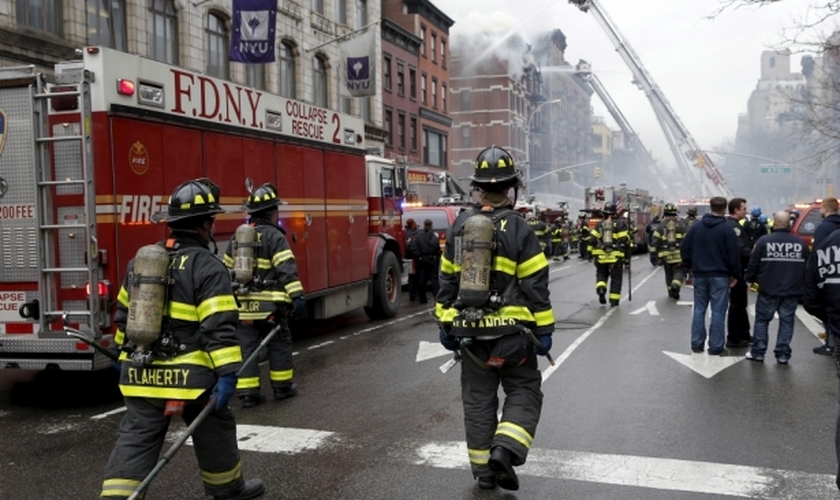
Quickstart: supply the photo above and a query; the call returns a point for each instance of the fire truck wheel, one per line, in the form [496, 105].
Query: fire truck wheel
[386, 289]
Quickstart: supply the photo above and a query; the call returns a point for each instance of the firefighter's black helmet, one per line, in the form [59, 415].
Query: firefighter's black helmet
[609, 208]
[670, 209]
[262, 198]
[691, 211]
[198, 197]
[581, 215]
[494, 166]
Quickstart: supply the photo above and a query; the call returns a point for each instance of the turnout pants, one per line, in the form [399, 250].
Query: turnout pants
[613, 272]
[279, 354]
[674, 275]
[141, 436]
[520, 413]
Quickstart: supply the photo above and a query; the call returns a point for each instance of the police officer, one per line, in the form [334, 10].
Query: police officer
[609, 245]
[582, 236]
[667, 237]
[777, 265]
[737, 319]
[560, 239]
[492, 338]
[428, 260]
[274, 294]
[410, 253]
[754, 228]
[199, 326]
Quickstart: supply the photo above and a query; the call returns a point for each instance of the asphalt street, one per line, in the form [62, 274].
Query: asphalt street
[629, 413]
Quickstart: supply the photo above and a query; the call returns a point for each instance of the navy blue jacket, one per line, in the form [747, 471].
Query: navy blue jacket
[826, 227]
[778, 264]
[710, 249]
[821, 293]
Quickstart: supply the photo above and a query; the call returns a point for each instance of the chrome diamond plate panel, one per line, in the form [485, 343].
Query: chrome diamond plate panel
[68, 158]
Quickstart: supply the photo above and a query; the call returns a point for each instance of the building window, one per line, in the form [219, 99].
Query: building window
[255, 76]
[287, 71]
[43, 15]
[465, 100]
[412, 83]
[388, 117]
[386, 73]
[423, 41]
[433, 48]
[772, 62]
[318, 6]
[434, 92]
[413, 133]
[361, 13]
[465, 137]
[162, 26]
[401, 130]
[216, 47]
[423, 88]
[400, 78]
[106, 23]
[319, 83]
[434, 148]
[443, 53]
[341, 11]
[443, 91]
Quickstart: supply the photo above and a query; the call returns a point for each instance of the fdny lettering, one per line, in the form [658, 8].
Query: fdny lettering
[486, 322]
[138, 209]
[503, 226]
[211, 99]
[828, 260]
[179, 264]
[791, 251]
[158, 376]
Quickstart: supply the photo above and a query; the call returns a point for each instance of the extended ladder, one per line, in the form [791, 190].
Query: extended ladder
[68, 262]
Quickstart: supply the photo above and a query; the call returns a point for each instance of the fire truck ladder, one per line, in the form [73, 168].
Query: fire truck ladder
[68, 246]
[688, 154]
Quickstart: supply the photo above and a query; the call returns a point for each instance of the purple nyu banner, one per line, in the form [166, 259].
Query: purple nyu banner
[254, 24]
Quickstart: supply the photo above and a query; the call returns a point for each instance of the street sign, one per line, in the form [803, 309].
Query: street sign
[776, 170]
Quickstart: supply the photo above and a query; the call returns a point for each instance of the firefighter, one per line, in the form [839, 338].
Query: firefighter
[754, 228]
[428, 260]
[609, 245]
[690, 217]
[268, 299]
[582, 232]
[411, 253]
[541, 230]
[488, 314]
[560, 239]
[667, 237]
[196, 352]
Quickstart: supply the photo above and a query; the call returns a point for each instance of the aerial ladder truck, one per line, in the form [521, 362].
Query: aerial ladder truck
[584, 70]
[685, 149]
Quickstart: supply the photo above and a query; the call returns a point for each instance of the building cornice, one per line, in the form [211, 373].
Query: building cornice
[436, 117]
[400, 37]
[428, 11]
[49, 51]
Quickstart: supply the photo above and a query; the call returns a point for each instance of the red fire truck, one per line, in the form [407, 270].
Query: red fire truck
[88, 154]
[635, 202]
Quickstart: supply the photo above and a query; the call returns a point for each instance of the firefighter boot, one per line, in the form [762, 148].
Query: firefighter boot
[602, 295]
[487, 482]
[252, 400]
[252, 488]
[501, 466]
[674, 291]
[286, 391]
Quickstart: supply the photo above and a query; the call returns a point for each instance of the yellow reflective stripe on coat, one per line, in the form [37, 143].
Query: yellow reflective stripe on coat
[281, 257]
[266, 296]
[448, 267]
[222, 478]
[281, 375]
[479, 457]
[145, 391]
[122, 297]
[226, 355]
[504, 265]
[182, 311]
[119, 487]
[531, 266]
[216, 304]
[294, 287]
[263, 264]
[228, 261]
[248, 383]
[119, 337]
[544, 318]
[515, 432]
[445, 314]
[255, 315]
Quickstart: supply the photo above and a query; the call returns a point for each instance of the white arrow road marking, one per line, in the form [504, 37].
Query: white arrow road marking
[649, 307]
[810, 322]
[654, 473]
[430, 350]
[267, 439]
[703, 363]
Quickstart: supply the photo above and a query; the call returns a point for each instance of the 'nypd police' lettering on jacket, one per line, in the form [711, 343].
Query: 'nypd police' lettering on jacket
[821, 296]
[777, 264]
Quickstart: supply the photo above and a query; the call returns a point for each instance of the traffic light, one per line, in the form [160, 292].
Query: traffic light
[597, 172]
[700, 160]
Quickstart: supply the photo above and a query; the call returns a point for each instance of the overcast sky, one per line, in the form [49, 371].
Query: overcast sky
[706, 68]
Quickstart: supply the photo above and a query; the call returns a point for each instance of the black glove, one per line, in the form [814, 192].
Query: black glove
[447, 341]
[298, 308]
